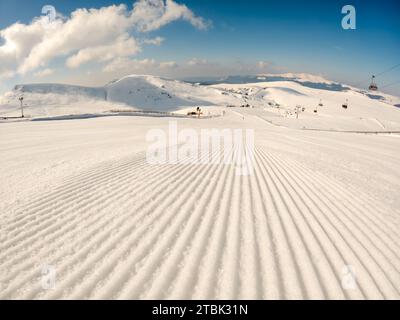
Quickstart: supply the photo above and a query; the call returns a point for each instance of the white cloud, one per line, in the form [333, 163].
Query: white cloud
[197, 62]
[195, 67]
[87, 35]
[6, 74]
[155, 41]
[264, 65]
[120, 64]
[147, 66]
[85, 29]
[151, 15]
[198, 67]
[44, 73]
[18, 39]
[124, 46]
[168, 65]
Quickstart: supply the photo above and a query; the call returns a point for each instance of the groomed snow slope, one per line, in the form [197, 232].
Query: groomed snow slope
[80, 196]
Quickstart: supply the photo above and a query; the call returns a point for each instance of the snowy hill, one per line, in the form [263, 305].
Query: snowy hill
[153, 93]
[274, 98]
[319, 108]
[135, 92]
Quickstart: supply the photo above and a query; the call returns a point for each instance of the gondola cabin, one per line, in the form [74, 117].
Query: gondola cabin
[373, 86]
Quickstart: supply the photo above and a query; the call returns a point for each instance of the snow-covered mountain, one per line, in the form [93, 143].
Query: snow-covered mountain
[307, 80]
[154, 93]
[134, 92]
[319, 100]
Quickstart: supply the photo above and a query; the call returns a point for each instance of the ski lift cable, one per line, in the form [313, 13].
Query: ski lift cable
[377, 75]
[391, 84]
[367, 81]
[386, 71]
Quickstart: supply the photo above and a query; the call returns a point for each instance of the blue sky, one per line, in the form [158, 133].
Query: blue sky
[293, 36]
